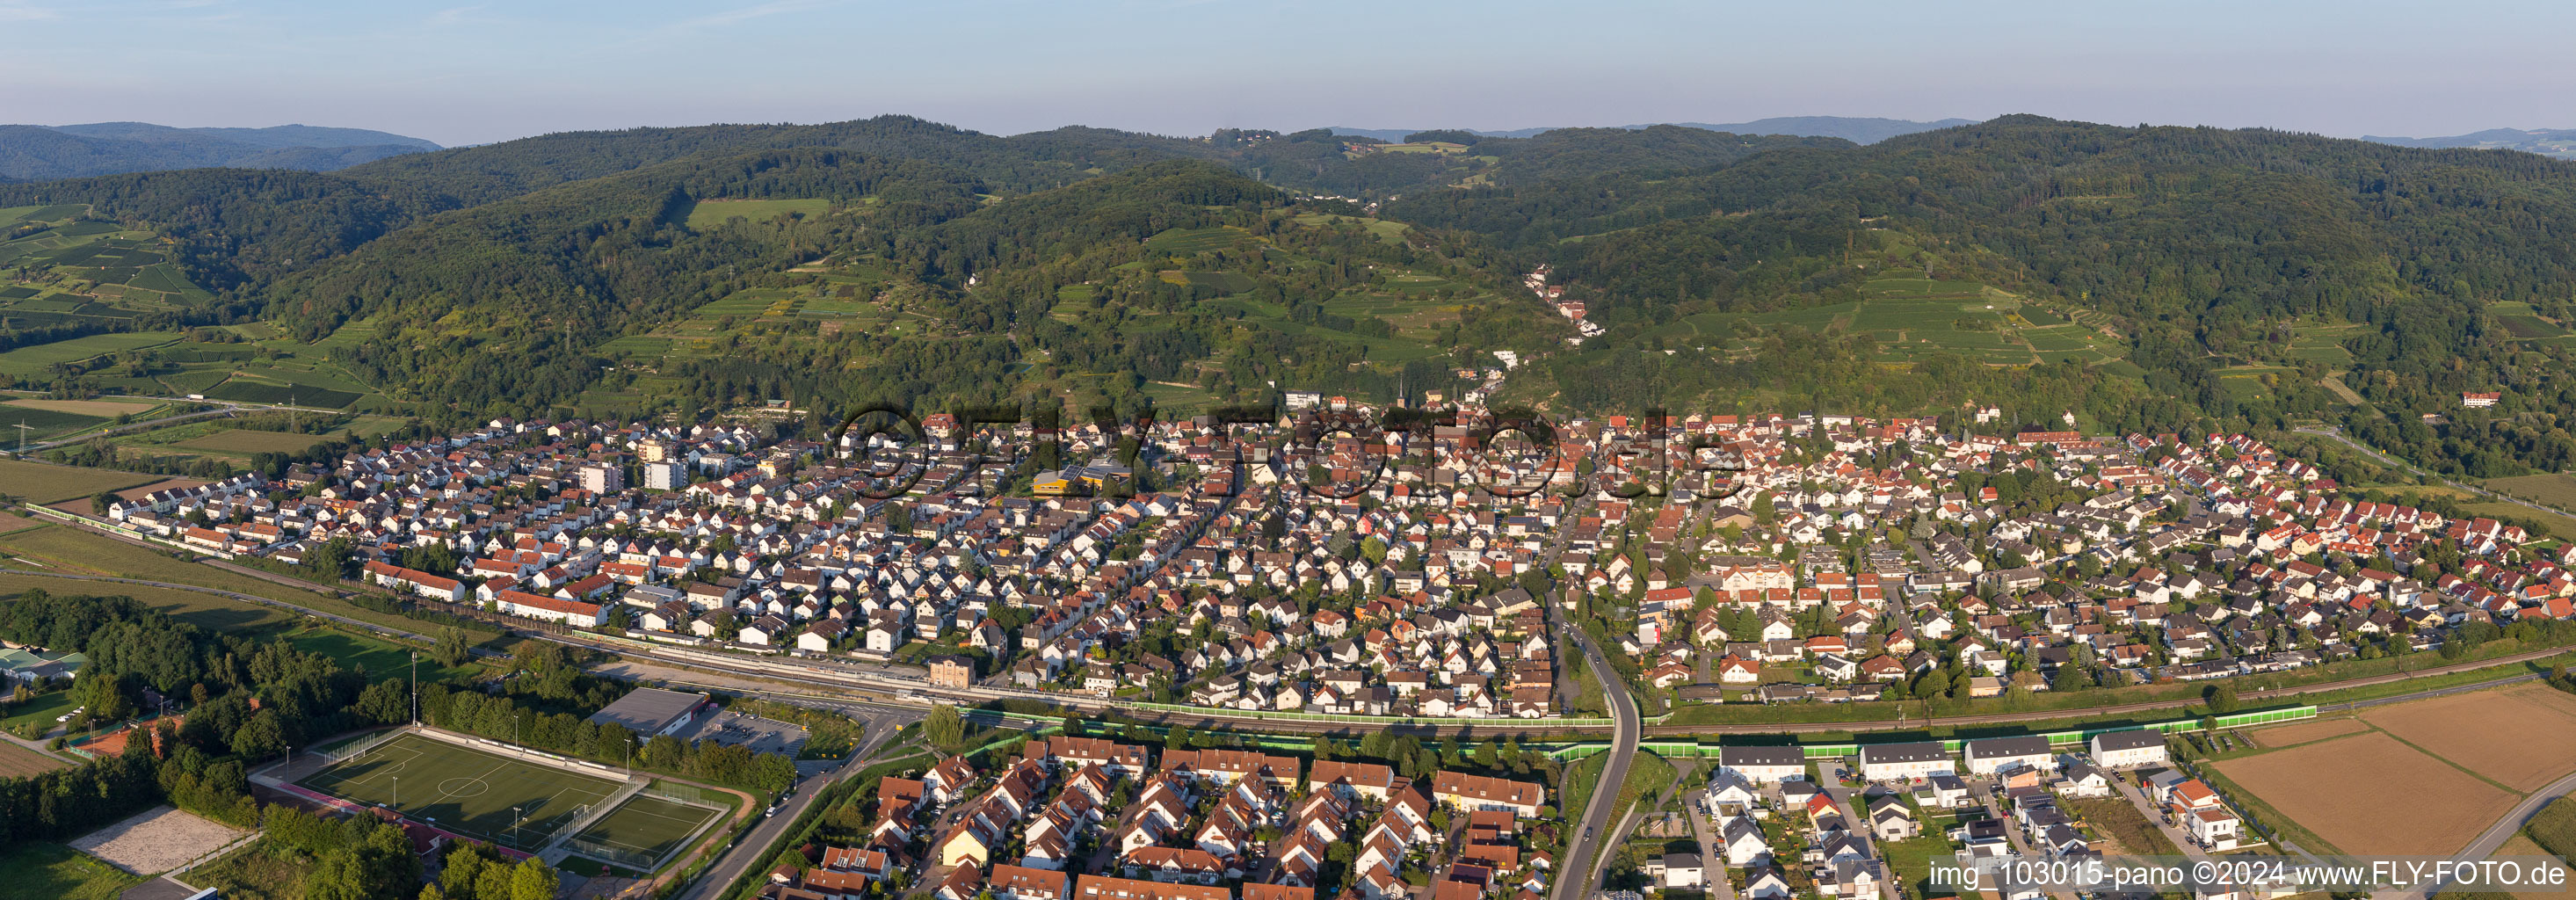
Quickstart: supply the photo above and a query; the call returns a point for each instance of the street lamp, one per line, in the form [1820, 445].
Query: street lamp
[397, 792]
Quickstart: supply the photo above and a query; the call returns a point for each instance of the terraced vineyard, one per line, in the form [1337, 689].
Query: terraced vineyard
[82, 270]
[1913, 318]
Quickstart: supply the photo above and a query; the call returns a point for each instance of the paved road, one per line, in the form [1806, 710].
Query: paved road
[222, 408]
[755, 847]
[1597, 829]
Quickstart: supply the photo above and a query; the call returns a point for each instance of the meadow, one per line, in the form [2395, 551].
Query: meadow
[44, 871]
[706, 214]
[2557, 489]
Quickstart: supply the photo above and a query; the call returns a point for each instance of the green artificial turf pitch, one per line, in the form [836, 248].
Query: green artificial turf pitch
[649, 826]
[464, 790]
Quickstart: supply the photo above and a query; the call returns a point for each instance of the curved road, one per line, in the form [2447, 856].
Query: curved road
[1605, 795]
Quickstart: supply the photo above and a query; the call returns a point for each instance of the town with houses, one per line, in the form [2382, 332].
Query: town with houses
[1093, 818]
[1369, 573]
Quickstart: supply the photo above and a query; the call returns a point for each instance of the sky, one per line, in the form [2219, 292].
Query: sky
[465, 73]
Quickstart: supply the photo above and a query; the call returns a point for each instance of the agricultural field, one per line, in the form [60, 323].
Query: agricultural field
[1913, 318]
[105, 407]
[37, 359]
[2491, 732]
[2323, 342]
[2523, 322]
[48, 419]
[85, 270]
[1389, 232]
[711, 213]
[269, 368]
[2558, 526]
[244, 441]
[18, 762]
[46, 483]
[2311, 730]
[2462, 761]
[2523, 845]
[1187, 241]
[201, 609]
[2553, 489]
[217, 438]
[2336, 788]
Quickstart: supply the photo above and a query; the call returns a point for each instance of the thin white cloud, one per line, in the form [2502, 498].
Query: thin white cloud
[16, 11]
[455, 15]
[748, 13]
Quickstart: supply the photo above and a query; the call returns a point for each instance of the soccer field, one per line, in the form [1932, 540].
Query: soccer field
[510, 802]
[643, 830]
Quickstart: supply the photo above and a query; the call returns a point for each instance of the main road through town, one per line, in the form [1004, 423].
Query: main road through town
[1581, 868]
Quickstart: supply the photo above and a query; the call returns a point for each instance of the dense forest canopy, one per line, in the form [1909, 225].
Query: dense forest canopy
[516, 277]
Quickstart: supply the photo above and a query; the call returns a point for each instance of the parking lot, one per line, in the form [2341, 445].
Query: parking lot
[761, 735]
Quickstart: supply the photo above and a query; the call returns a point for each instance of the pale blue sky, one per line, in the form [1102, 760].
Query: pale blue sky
[472, 73]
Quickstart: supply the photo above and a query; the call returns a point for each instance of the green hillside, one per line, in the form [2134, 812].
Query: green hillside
[2156, 278]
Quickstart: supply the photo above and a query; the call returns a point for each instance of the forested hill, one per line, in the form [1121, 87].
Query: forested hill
[2152, 278]
[505, 301]
[40, 152]
[1018, 164]
[2446, 270]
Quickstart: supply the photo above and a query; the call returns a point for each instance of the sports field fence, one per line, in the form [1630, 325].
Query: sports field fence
[610, 853]
[356, 748]
[689, 793]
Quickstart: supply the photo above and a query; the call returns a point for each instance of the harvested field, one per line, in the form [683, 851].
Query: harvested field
[17, 761]
[2522, 845]
[2492, 733]
[2312, 730]
[2340, 789]
[156, 840]
[105, 409]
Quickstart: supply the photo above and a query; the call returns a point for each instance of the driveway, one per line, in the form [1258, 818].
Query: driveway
[1855, 815]
[1719, 886]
